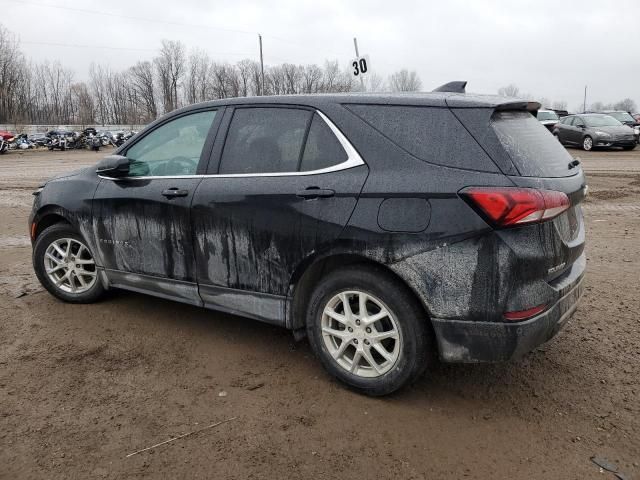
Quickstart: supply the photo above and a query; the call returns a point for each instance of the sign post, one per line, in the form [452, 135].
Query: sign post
[359, 65]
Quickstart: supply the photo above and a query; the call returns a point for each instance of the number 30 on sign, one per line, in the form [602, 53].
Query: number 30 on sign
[360, 66]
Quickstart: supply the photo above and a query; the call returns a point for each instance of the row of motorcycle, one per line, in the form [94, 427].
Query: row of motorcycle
[89, 138]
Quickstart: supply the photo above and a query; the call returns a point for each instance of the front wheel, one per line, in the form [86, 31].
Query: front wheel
[65, 266]
[369, 330]
[587, 143]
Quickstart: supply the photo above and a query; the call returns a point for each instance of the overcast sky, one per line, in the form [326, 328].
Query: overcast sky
[547, 48]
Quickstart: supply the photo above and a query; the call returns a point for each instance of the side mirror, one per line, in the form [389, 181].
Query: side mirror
[113, 166]
[582, 125]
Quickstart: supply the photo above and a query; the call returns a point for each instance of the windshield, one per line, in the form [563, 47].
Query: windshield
[547, 115]
[601, 121]
[622, 116]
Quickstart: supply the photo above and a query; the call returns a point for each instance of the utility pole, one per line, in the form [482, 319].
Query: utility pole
[261, 67]
[584, 105]
[355, 44]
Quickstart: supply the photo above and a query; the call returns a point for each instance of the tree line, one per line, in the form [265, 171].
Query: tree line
[48, 93]
[627, 104]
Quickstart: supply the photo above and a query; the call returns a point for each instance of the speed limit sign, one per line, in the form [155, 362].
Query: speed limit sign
[360, 66]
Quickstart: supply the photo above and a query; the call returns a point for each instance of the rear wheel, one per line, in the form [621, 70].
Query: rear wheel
[368, 330]
[65, 266]
[587, 143]
[629, 147]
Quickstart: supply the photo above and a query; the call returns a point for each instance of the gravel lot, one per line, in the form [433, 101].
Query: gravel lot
[81, 387]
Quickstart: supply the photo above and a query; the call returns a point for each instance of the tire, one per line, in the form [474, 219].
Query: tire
[630, 147]
[47, 257]
[408, 352]
[587, 143]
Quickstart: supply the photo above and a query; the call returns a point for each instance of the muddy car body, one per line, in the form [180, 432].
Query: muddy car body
[457, 215]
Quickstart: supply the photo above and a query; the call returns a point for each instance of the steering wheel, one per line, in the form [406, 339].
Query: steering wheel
[176, 166]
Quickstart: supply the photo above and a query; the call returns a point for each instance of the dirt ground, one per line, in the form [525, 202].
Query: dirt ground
[81, 387]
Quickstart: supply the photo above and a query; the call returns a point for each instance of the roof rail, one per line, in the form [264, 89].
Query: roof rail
[457, 86]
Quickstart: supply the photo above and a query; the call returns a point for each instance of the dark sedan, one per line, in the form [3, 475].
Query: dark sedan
[589, 130]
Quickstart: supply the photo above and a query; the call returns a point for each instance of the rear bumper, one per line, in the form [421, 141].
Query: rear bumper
[472, 342]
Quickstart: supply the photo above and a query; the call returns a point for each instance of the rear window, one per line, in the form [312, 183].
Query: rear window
[533, 150]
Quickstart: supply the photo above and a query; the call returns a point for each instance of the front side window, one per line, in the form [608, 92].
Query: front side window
[173, 148]
[264, 140]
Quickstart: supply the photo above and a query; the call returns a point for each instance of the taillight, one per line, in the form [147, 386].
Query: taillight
[509, 206]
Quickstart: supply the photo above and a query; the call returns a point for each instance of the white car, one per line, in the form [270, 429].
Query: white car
[548, 118]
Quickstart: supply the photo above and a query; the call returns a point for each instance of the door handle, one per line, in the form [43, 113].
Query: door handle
[315, 192]
[175, 192]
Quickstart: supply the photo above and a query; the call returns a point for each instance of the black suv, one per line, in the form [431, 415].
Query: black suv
[388, 229]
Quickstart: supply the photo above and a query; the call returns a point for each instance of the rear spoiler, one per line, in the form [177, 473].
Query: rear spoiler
[495, 101]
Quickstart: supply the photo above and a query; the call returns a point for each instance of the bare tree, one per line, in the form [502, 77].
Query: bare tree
[560, 105]
[627, 105]
[84, 104]
[11, 73]
[141, 75]
[405, 81]
[171, 67]
[510, 90]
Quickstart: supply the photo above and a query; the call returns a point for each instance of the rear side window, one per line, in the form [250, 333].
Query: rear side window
[264, 140]
[322, 149]
[429, 133]
[533, 150]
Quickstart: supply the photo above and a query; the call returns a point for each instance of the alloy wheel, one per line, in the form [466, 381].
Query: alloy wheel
[587, 143]
[361, 333]
[70, 265]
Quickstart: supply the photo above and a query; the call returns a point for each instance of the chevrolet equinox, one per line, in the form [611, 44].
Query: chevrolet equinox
[390, 230]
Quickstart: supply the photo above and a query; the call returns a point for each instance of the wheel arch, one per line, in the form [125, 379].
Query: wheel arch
[307, 275]
[50, 215]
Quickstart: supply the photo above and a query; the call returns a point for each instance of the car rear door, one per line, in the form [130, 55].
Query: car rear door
[142, 222]
[279, 190]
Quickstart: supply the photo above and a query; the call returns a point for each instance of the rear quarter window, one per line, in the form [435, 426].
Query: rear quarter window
[432, 134]
[533, 150]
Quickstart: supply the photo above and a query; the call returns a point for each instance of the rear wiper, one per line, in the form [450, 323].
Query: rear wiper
[574, 163]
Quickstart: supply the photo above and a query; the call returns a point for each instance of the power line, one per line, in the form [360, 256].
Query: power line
[55, 44]
[129, 17]
[163, 22]
[74, 45]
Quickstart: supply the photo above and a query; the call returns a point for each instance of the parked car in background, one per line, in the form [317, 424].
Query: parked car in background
[627, 119]
[589, 130]
[561, 113]
[548, 118]
[388, 229]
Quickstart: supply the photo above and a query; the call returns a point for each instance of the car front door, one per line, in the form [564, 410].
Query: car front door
[281, 189]
[142, 222]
